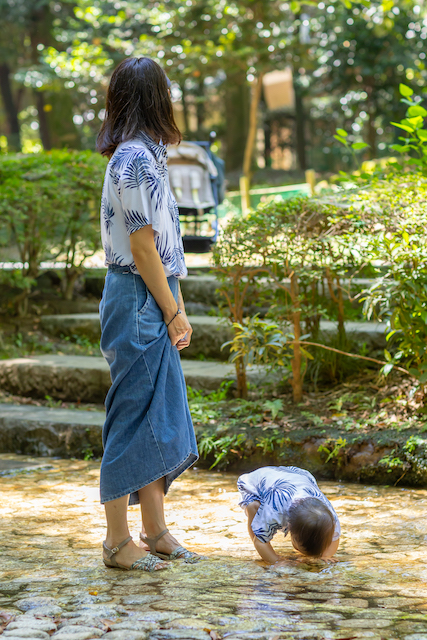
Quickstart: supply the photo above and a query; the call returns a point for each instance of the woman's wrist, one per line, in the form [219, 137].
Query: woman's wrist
[177, 313]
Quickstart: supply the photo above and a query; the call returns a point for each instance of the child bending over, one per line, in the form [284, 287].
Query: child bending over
[289, 499]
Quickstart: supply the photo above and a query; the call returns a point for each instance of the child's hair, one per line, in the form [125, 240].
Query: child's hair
[311, 525]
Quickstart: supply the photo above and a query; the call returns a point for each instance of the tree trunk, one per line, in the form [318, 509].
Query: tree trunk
[253, 121]
[296, 362]
[267, 143]
[372, 134]
[299, 123]
[200, 106]
[43, 123]
[236, 120]
[242, 383]
[71, 275]
[62, 130]
[14, 137]
[185, 107]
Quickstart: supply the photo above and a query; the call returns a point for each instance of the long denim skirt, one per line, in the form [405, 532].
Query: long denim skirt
[148, 433]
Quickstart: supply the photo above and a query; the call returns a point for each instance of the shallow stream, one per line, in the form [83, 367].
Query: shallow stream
[51, 526]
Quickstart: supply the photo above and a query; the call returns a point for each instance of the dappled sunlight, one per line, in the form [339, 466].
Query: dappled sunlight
[52, 524]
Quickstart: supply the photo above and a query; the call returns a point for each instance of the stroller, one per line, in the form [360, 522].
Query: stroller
[197, 180]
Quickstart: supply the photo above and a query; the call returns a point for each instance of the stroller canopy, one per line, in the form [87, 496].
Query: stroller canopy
[191, 172]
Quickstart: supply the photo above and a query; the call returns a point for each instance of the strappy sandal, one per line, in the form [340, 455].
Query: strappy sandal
[180, 553]
[147, 563]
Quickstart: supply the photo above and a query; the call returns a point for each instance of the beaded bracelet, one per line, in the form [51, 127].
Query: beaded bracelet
[176, 314]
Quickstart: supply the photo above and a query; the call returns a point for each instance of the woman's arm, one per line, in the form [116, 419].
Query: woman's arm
[264, 549]
[149, 265]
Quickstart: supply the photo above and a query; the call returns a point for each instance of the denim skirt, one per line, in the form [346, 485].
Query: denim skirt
[148, 433]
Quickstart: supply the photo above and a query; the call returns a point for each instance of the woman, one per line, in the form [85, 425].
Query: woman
[148, 435]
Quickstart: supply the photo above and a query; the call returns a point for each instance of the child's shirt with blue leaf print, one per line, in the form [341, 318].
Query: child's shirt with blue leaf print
[276, 488]
[136, 193]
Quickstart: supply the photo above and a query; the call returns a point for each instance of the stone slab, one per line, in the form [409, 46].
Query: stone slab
[87, 378]
[195, 288]
[210, 332]
[71, 378]
[15, 464]
[42, 431]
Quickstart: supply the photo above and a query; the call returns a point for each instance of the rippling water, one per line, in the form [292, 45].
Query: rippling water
[51, 528]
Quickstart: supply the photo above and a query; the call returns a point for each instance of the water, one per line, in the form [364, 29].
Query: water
[51, 526]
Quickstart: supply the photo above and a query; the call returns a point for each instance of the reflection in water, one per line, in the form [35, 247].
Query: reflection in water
[51, 528]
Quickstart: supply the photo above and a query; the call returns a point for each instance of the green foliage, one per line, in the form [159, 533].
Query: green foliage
[49, 210]
[334, 450]
[412, 456]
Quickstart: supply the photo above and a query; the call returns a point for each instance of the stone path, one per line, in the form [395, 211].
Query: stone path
[87, 378]
[52, 583]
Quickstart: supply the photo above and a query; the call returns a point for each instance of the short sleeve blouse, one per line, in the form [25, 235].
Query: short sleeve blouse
[136, 192]
[276, 489]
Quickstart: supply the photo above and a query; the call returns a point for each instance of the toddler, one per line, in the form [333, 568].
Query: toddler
[289, 499]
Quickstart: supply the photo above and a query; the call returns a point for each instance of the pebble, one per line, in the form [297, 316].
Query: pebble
[179, 634]
[188, 623]
[80, 635]
[141, 599]
[159, 616]
[85, 621]
[45, 611]
[75, 631]
[360, 623]
[127, 634]
[28, 622]
[25, 604]
[24, 632]
[134, 625]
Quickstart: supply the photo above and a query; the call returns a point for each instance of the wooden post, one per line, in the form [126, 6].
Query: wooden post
[310, 178]
[245, 198]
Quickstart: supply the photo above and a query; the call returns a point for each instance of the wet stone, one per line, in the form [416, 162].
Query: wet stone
[140, 599]
[187, 623]
[77, 633]
[85, 621]
[25, 633]
[127, 634]
[28, 622]
[411, 627]
[179, 634]
[159, 616]
[46, 611]
[134, 626]
[359, 623]
[25, 604]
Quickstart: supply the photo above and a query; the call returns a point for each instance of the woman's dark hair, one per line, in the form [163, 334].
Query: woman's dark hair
[311, 525]
[137, 100]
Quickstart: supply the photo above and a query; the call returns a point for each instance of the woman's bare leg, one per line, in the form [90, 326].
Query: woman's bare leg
[151, 499]
[118, 530]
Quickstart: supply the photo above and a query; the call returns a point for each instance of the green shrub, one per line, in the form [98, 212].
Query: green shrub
[49, 210]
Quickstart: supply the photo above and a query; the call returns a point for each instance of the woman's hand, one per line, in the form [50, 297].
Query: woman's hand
[180, 331]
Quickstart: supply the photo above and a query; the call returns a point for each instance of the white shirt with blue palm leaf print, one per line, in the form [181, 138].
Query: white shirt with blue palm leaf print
[136, 192]
[276, 488]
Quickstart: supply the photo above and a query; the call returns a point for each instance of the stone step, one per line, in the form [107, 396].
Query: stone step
[87, 379]
[209, 332]
[42, 431]
[201, 289]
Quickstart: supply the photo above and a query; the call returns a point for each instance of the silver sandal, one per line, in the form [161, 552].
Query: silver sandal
[180, 553]
[147, 563]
